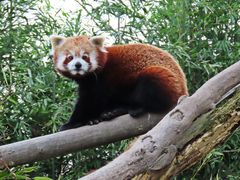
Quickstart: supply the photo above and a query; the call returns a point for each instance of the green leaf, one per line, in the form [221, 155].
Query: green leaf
[42, 178]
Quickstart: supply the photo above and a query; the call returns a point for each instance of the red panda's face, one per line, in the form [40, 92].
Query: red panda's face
[77, 56]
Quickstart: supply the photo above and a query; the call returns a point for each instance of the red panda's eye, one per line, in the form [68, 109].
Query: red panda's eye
[85, 57]
[70, 58]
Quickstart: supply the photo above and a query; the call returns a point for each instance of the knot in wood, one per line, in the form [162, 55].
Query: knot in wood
[141, 152]
[165, 158]
[177, 115]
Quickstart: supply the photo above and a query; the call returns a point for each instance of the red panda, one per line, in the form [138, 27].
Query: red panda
[116, 80]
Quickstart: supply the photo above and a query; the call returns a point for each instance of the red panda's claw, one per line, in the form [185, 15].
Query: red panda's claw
[70, 126]
[136, 112]
[93, 122]
[106, 116]
[113, 114]
[96, 121]
[90, 123]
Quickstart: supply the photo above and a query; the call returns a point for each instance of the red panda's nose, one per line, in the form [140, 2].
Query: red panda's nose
[78, 65]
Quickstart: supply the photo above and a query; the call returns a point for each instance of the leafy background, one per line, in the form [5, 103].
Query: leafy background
[203, 35]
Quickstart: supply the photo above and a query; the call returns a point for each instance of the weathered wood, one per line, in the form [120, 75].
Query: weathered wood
[159, 145]
[205, 133]
[73, 140]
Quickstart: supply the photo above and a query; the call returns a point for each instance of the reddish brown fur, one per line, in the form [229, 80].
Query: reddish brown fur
[126, 62]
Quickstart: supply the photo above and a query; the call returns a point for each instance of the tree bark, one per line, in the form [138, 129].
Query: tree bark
[206, 132]
[73, 140]
[156, 149]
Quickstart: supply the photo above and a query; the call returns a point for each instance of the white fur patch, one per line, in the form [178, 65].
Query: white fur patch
[103, 49]
[93, 60]
[84, 65]
[60, 60]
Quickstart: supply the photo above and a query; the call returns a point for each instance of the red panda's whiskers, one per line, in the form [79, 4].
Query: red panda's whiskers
[95, 76]
[98, 66]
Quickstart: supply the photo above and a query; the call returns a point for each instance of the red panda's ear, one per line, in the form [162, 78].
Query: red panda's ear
[56, 40]
[98, 41]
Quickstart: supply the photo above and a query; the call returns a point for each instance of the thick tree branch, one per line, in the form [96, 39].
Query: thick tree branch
[73, 140]
[159, 146]
[204, 134]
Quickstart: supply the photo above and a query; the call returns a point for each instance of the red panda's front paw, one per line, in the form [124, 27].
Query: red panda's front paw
[113, 114]
[70, 126]
[136, 112]
[95, 121]
[106, 116]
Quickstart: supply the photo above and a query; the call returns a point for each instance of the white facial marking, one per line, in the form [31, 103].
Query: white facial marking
[82, 52]
[71, 66]
[84, 65]
[103, 49]
[72, 53]
[93, 60]
[60, 60]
